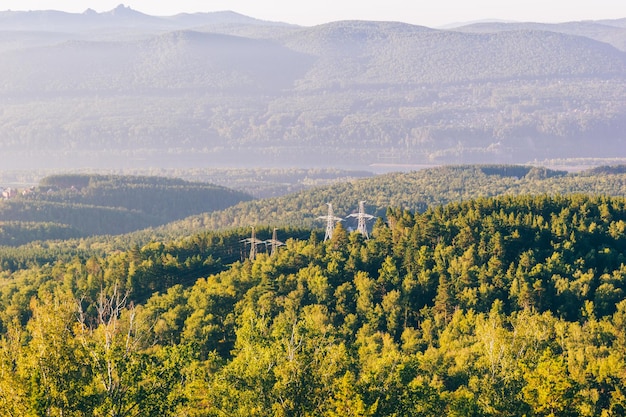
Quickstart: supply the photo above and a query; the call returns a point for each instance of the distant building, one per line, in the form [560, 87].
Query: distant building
[9, 193]
[28, 191]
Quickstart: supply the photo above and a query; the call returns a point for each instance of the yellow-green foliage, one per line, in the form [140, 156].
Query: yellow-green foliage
[492, 307]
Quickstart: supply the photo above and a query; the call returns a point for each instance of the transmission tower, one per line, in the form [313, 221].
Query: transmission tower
[274, 242]
[253, 241]
[331, 220]
[362, 218]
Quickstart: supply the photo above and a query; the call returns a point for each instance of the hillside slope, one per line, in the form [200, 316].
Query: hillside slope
[415, 191]
[64, 206]
[611, 32]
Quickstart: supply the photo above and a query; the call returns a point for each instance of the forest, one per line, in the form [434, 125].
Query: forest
[413, 190]
[478, 290]
[64, 206]
[56, 211]
[491, 306]
[85, 91]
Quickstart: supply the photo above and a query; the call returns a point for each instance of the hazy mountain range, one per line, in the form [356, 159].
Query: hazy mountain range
[124, 89]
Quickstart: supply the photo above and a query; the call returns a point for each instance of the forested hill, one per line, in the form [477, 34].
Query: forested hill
[223, 89]
[64, 206]
[354, 54]
[414, 191]
[396, 54]
[494, 306]
[609, 31]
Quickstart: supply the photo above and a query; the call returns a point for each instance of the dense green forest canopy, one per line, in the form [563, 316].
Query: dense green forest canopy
[79, 205]
[512, 305]
[414, 191]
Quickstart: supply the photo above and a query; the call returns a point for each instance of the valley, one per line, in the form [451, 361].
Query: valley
[214, 215]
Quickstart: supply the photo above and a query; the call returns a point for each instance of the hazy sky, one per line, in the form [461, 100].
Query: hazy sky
[311, 12]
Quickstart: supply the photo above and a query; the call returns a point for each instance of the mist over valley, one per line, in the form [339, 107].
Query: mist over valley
[123, 90]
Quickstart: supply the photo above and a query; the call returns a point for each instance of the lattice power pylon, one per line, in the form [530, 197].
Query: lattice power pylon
[331, 220]
[253, 241]
[274, 242]
[362, 218]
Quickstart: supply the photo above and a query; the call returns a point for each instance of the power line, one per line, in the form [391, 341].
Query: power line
[274, 242]
[362, 218]
[330, 222]
[253, 241]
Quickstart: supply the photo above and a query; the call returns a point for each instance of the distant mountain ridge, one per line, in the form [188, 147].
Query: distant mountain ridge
[125, 88]
[174, 60]
[189, 59]
[121, 16]
[612, 32]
